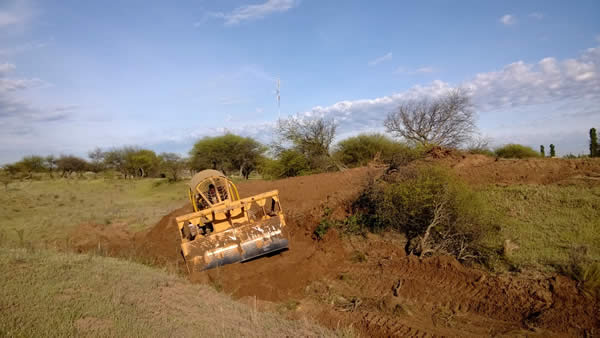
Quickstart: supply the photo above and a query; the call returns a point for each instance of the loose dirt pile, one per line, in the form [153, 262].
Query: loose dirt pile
[371, 284]
[481, 169]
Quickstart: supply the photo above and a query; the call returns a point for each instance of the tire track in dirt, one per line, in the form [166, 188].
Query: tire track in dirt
[396, 294]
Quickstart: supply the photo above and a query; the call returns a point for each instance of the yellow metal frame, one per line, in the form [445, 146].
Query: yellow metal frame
[222, 215]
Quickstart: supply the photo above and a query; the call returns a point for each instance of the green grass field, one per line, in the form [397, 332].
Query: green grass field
[550, 223]
[47, 210]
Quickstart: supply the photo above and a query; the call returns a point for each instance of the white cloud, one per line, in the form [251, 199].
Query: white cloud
[253, 12]
[420, 70]
[425, 70]
[517, 86]
[508, 19]
[6, 68]
[17, 113]
[14, 13]
[548, 101]
[537, 15]
[381, 59]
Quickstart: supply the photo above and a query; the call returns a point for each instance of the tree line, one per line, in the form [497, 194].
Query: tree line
[301, 146]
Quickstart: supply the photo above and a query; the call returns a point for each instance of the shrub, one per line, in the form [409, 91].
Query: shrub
[516, 151]
[289, 163]
[361, 149]
[436, 211]
[324, 225]
[481, 151]
[584, 270]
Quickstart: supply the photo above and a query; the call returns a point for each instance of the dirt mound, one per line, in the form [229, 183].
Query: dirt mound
[481, 169]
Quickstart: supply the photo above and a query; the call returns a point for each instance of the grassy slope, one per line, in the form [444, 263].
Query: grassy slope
[548, 222]
[49, 209]
[57, 294]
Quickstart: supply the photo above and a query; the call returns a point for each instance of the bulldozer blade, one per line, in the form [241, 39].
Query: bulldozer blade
[238, 244]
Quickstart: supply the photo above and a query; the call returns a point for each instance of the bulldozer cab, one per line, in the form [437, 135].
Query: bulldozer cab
[211, 188]
[225, 229]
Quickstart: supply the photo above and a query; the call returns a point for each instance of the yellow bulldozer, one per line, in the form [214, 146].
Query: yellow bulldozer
[225, 229]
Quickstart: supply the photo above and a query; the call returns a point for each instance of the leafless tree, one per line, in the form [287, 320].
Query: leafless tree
[446, 121]
[311, 137]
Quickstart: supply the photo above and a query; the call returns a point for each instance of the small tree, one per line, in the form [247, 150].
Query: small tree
[31, 164]
[115, 159]
[97, 160]
[172, 164]
[552, 151]
[542, 151]
[594, 152]
[446, 121]
[50, 163]
[142, 162]
[310, 137]
[69, 164]
[227, 153]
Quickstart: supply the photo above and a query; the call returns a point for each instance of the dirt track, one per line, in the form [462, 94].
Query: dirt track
[388, 293]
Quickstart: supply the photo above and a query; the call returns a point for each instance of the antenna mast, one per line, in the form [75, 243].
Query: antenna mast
[278, 98]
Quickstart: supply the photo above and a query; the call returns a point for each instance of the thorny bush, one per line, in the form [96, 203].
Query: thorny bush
[438, 213]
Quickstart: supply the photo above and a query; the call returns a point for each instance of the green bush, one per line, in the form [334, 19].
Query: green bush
[361, 149]
[516, 151]
[434, 209]
[289, 163]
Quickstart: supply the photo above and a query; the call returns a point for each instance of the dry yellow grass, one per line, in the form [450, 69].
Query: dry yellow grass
[59, 294]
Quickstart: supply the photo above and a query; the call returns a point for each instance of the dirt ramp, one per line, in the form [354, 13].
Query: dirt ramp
[481, 169]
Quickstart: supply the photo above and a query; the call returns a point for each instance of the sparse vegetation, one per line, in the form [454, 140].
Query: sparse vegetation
[515, 151]
[435, 210]
[60, 295]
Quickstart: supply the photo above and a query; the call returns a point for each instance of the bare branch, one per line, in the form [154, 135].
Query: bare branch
[447, 121]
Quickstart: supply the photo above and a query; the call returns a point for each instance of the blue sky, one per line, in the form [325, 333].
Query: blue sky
[79, 74]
